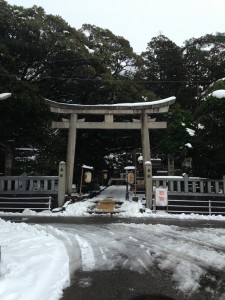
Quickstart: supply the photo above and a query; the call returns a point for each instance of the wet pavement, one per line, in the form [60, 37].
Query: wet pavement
[107, 219]
[119, 284]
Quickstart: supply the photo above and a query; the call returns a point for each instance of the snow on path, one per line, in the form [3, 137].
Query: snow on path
[116, 192]
[194, 258]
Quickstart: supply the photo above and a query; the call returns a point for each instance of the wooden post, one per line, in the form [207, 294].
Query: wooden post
[81, 180]
[61, 183]
[71, 152]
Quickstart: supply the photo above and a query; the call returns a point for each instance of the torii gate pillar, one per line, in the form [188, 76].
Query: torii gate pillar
[71, 152]
[145, 137]
[146, 152]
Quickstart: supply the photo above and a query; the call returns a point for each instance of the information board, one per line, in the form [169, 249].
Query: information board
[161, 197]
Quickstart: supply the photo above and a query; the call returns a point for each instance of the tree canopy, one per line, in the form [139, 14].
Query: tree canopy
[42, 56]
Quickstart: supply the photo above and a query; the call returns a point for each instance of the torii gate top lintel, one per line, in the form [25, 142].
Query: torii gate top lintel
[158, 106]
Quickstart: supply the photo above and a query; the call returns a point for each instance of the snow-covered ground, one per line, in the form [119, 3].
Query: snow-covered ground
[36, 261]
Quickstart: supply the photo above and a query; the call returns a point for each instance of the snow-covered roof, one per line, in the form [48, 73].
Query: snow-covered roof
[87, 167]
[129, 168]
[118, 106]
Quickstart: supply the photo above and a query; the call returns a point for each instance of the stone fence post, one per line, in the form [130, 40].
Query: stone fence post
[186, 178]
[62, 183]
[148, 184]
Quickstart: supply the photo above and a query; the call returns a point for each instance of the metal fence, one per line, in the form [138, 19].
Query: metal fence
[18, 204]
[204, 206]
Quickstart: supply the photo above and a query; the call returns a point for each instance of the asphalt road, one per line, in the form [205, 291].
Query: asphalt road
[119, 284]
[106, 219]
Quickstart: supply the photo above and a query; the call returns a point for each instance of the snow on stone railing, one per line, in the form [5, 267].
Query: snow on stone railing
[185, 184]
[28, 184]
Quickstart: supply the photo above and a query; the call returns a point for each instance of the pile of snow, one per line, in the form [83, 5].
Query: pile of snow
[189, 145]
[190, 131]
[219, 94]
[200, 126]
[78, 209]
[134, 209]
[34, 263]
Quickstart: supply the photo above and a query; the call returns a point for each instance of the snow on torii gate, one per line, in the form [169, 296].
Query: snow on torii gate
[144, 123]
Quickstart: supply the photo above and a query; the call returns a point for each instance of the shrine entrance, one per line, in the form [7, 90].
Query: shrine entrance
[145, 115]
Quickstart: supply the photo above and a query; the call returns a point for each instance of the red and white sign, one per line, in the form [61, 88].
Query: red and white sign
[161, 197]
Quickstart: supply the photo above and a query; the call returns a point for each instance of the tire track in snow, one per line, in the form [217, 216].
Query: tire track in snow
[111, 252]
[176, 236]
[87, 254]
[193, 240]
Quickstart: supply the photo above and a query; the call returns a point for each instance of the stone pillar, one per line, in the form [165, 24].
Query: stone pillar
[148, 184]
[9, 157]
[61, 183]
[170, 165]
[186, 178]
[71, 152]
[223, 184]
[145, 138]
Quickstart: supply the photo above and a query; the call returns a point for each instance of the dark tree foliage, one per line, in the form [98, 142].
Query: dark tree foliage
[41, 56]
[163, 67]
[205, 58]
[210, 143]
[43, 49]
[114, 64]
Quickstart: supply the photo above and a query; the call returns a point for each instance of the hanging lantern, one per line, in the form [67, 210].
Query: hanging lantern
[130, 178]
[87, 177]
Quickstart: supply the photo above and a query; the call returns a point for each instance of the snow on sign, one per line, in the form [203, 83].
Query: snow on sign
[161, 197]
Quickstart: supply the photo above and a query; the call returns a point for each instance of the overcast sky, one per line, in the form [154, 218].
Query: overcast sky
[140, 20]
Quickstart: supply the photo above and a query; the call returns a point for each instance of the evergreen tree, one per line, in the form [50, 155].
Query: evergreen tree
[209, 155]
[163, 67]
[114, 65]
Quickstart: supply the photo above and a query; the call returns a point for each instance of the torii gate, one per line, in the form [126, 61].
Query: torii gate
[143, 110]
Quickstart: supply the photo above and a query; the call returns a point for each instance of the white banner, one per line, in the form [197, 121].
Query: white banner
[161, 197]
